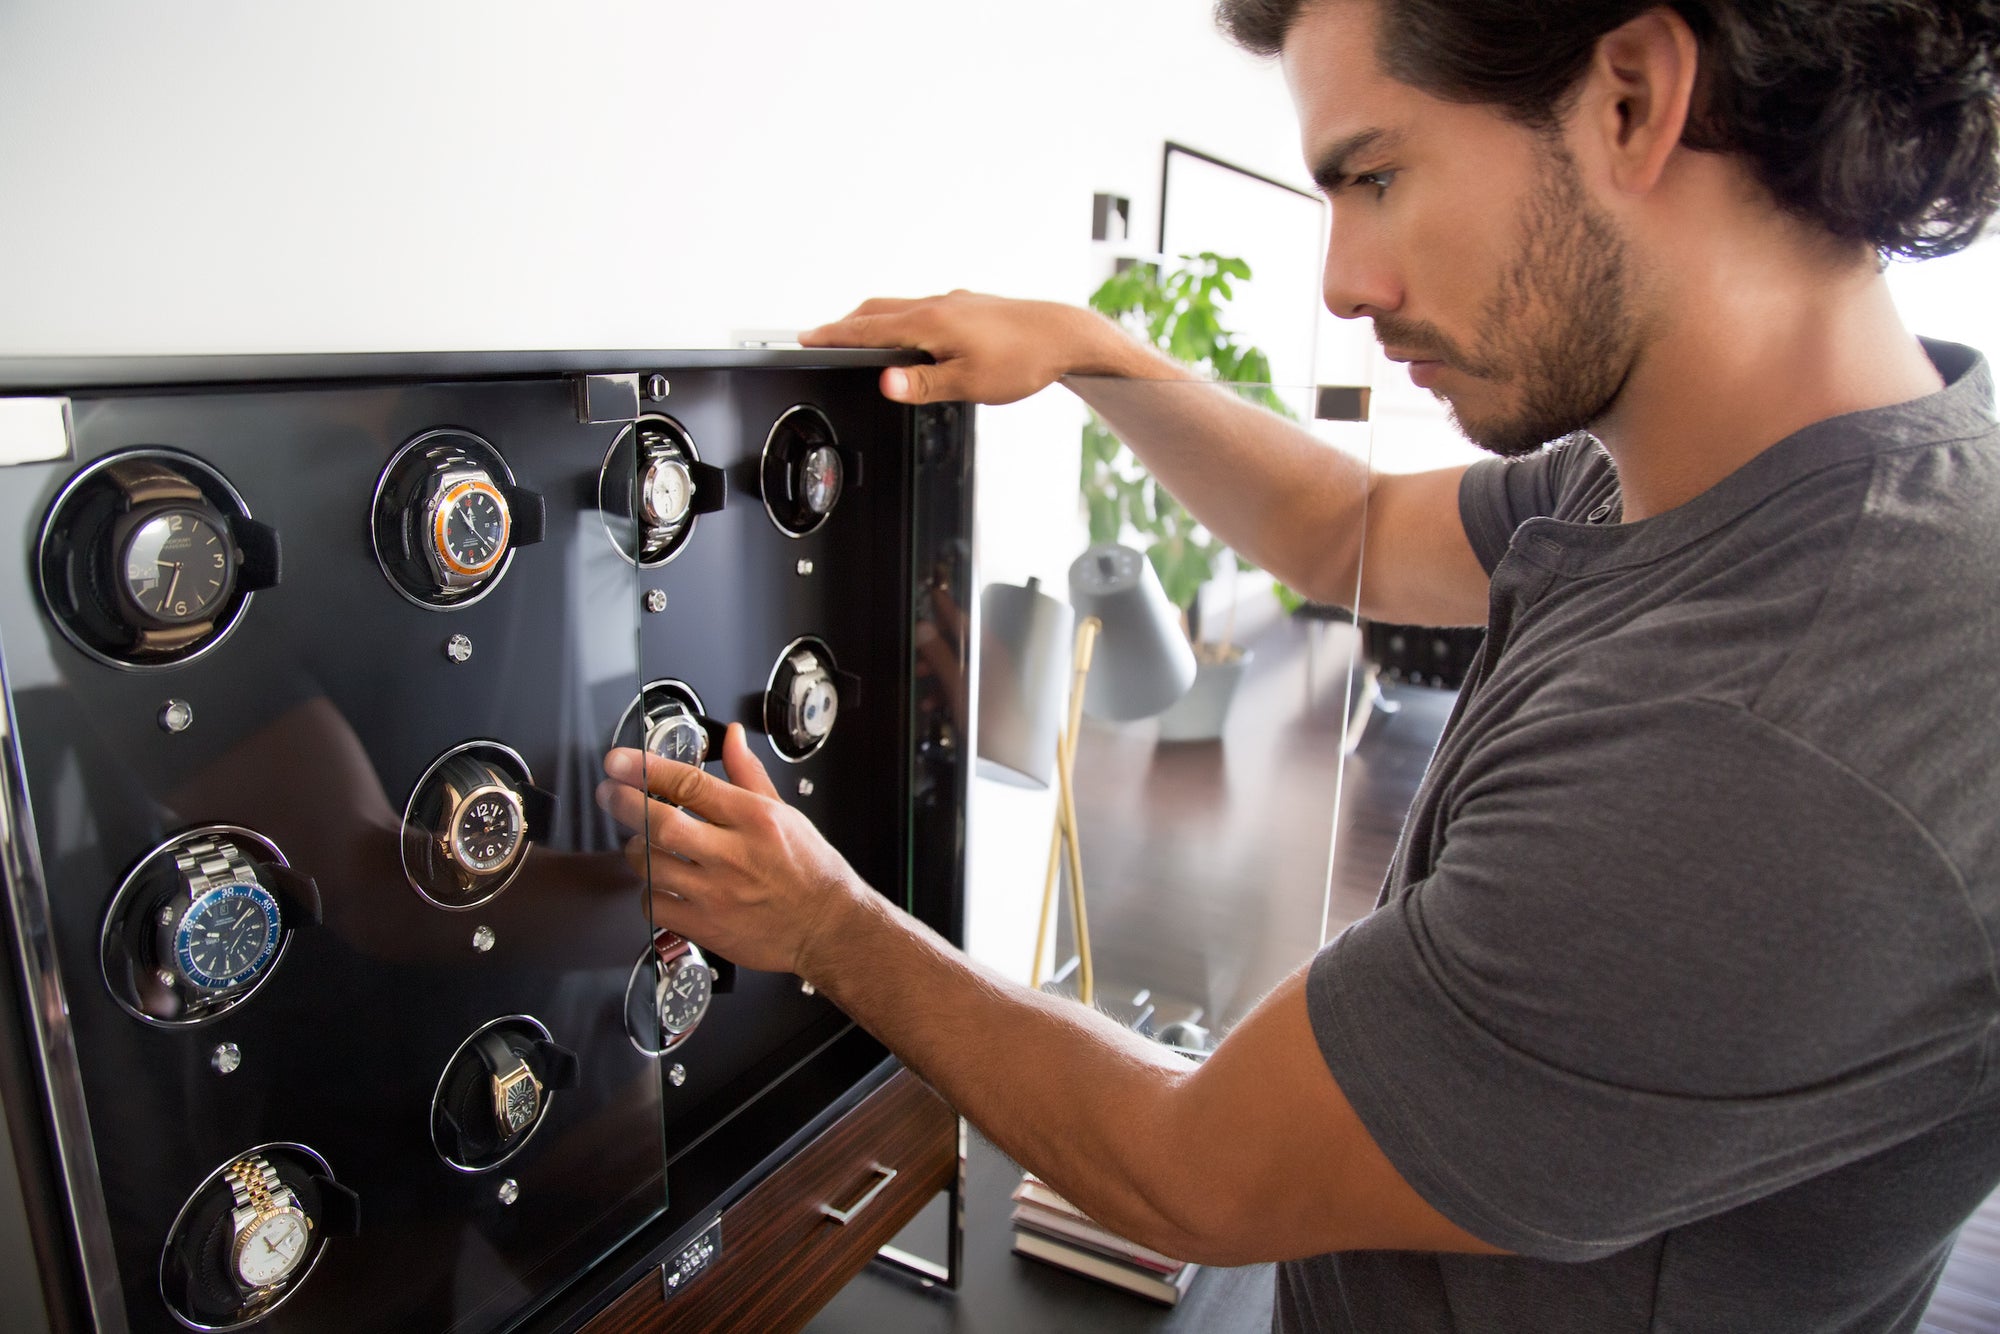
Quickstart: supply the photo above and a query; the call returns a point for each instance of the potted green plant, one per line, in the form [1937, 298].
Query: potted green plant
[1180, 310]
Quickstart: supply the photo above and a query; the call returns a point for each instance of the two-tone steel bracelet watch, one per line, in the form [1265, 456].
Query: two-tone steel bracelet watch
[221, 931]
[270, 1233]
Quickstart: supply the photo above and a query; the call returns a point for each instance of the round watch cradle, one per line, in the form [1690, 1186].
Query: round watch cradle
[803, 470]
[667, 718]
[803, 699]
[668, 994]
[469, 824]
[443, 521]
[148, 558]
[650, 490]
[200, 924]
[496, 1091]
[270, 1193]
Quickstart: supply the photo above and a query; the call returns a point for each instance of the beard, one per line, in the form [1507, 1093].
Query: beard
[1558, 329]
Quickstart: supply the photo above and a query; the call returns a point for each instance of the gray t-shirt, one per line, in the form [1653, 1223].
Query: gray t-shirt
[1682, 983]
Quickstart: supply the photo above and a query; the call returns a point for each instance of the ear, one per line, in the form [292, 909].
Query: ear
[1638, 94]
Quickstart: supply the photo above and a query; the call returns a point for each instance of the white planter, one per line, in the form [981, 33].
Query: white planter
[1199, 714]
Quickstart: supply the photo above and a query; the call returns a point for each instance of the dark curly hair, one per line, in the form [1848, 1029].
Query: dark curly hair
[1879, 120]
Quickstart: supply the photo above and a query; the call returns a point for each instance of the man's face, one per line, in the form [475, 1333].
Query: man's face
[1468, 239]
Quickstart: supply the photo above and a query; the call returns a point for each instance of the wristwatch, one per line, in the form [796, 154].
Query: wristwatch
[483, 829]
[804, 701]
[270, 1232]
[517, 1094]
[684, 989]
[173, 562]
[466, 523]
[221, 931]
[673, 732]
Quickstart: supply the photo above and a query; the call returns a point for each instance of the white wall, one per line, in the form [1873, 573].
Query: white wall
[238, 175]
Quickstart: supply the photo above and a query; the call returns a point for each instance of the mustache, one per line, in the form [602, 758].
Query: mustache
[1419, 337]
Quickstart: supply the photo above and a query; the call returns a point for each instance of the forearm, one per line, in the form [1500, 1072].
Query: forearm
[1066, 1091]
[1288, 501]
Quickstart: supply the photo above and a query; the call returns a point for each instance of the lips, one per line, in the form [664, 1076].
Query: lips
[1424, 371]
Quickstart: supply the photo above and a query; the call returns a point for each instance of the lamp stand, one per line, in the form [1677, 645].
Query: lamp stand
[1063, 838]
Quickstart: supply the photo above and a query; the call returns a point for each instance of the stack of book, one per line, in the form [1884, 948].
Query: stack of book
[1051, 1229]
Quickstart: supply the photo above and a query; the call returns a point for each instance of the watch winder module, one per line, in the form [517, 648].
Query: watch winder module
[805, 470]
[653, 487]
[148, 557]
[469, 824]
[447, 518]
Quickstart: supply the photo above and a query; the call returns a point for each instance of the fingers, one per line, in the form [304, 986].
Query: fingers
[845, 331]
[942, 383]
[679, 785]
[742, 765]
[666, 828]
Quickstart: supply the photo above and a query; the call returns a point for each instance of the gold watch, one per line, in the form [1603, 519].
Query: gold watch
[271, 1232]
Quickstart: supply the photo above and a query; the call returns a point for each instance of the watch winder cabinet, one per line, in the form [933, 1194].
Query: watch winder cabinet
[410, 1076]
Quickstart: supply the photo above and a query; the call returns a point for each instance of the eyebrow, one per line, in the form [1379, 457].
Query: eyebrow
[1331, 171]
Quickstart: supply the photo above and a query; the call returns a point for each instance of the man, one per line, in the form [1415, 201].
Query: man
[1678, 1008]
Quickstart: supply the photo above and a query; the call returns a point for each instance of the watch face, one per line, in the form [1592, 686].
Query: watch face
[684, 994]
[675, 735]
[271, 1249]
[815, 705]
[820, 475]
[178, 566]
[666, 490]
[487, 831]
[228, 936]
[520, 1102]
[470, 528]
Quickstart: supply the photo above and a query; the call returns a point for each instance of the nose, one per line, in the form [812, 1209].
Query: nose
[1358, 279]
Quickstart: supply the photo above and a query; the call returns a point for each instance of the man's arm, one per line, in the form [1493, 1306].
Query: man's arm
[1271, 490]
[1254, 1155]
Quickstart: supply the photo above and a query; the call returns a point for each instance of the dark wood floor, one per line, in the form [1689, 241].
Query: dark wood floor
[1206, 862]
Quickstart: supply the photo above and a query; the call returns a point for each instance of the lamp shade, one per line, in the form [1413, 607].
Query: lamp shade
[1023, 669]
[1144, 661]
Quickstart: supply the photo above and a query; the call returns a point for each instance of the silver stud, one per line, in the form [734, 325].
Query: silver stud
[176, 716]
[805, 787]
[510, 1191]
[808, 988]
[226, 1058]
[805, 567]
[657, 386]
[482, 938]
[677, 1074]
[656, 601]
[458, 648]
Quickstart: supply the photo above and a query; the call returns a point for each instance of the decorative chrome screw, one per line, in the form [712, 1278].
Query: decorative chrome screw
[656, 601]
[510, 1191]
[677, 1074]
[808, 988]
[176, 715]
[657, 386]
[458, 648]
[482, 938]
[805, 787]
[805, 567]
[226, 1058]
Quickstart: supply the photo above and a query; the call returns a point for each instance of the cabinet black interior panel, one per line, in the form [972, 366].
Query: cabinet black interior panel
[331, 998]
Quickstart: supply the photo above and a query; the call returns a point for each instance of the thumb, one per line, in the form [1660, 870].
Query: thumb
[745, 769]
[919, 384]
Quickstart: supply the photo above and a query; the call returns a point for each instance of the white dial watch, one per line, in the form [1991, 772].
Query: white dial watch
[271, 1233]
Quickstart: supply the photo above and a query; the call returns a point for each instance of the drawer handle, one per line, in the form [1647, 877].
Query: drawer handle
[847, 1215]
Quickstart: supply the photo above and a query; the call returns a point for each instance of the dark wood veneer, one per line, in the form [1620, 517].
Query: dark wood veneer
[782, 1259]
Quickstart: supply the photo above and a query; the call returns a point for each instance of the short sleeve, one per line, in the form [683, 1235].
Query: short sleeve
[1496, 496]
[1669, 960]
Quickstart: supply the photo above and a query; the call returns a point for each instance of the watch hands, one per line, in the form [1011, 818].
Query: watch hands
[172, 583]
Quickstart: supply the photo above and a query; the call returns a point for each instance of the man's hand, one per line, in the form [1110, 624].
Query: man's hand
[988, 349]
[751, 879]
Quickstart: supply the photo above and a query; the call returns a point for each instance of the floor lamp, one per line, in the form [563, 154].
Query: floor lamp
[1029, 724]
